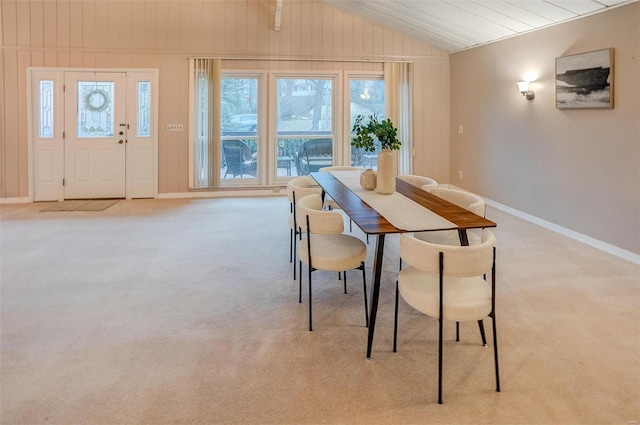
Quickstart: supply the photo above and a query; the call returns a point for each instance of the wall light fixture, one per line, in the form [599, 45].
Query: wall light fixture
[523, 86]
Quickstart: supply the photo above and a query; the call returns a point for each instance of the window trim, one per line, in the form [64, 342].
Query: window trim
[260, 137]
[267, 136]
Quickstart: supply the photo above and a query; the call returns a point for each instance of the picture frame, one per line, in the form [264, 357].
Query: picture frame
[585, 80]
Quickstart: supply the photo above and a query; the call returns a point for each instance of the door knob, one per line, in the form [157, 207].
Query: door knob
[121, 141]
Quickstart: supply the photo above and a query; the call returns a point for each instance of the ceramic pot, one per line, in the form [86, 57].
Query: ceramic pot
[368, 179]
[386, 180]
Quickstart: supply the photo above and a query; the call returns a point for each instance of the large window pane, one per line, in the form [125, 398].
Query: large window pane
[239, 127]
[304, 125]
[367, 97]
[304, 105]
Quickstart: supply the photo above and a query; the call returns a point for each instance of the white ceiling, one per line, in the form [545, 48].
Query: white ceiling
[453, 25]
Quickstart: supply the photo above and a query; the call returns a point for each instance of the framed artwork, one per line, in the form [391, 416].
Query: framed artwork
[585, 81]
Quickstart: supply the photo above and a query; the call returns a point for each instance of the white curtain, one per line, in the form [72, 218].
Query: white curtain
[204, 115]
[397, 78]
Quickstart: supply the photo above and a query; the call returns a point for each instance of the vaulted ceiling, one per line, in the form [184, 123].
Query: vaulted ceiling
[453, 25]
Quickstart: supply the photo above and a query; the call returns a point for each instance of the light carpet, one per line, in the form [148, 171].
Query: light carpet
[185, 311]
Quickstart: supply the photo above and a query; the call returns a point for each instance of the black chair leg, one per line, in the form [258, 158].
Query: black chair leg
[495, 351]
[364, 287]
[310, 314]
[344, 274]
[395, 321]
[295, 247]
[440, 360]
[299, 281]
[291, 247]
[441, 326]
[481, 326]
[457, 331]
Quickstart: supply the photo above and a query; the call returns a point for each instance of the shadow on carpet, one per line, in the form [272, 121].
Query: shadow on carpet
[80, 205]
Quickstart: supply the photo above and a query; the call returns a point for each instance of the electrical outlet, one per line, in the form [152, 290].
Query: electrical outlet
[460, 175]
[174, 127]
[460, 129]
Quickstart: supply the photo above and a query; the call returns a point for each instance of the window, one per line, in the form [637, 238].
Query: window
[144, 108]
[95, 109]
[304, 125]
[245, 132]
[239, 127]
[46, 109]
[367, 97]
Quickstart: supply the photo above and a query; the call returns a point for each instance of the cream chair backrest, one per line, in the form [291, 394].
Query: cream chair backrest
[466, 200]
[460, 261]
[302, 186]
[425, 183]
[320, 221]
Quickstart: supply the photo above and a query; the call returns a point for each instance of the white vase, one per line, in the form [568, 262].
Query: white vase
[386, 180]
[368, 179]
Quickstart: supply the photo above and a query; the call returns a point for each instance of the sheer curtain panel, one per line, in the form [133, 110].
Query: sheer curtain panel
[204, 115]
[397, 79]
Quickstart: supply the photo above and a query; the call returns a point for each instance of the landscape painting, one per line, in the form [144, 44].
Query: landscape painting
[585, 81]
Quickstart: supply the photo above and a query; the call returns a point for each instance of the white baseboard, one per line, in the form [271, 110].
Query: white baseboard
[15, 200]
[598, 244]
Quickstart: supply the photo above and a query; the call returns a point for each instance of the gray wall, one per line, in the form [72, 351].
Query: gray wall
[579, 169]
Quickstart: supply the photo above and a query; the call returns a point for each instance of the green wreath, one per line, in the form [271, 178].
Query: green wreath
[90, 100]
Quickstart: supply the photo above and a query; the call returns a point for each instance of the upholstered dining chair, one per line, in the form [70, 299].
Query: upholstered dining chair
[466, 200]
[326, 247]
[297, 188]
[449, 283]
[425, 183]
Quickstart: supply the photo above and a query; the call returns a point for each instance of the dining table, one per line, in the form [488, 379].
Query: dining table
[408, 209]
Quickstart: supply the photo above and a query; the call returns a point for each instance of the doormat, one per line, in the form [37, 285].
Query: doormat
[80, 205]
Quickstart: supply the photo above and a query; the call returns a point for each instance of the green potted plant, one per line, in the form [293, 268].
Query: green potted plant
[367, 133]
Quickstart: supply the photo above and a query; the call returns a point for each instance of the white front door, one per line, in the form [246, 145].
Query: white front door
[95, 139]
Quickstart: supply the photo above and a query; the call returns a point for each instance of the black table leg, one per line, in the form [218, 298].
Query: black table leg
[375, 291]
[464, 240]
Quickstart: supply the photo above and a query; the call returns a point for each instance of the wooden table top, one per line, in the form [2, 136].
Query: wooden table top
[371, 222]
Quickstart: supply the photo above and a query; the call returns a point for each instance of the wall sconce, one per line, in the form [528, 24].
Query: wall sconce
[523, 86]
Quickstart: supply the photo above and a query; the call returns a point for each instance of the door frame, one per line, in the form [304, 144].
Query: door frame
[53, 148]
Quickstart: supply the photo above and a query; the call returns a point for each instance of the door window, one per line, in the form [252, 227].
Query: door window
[95, 109]
[144, 109]
[46, 109]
